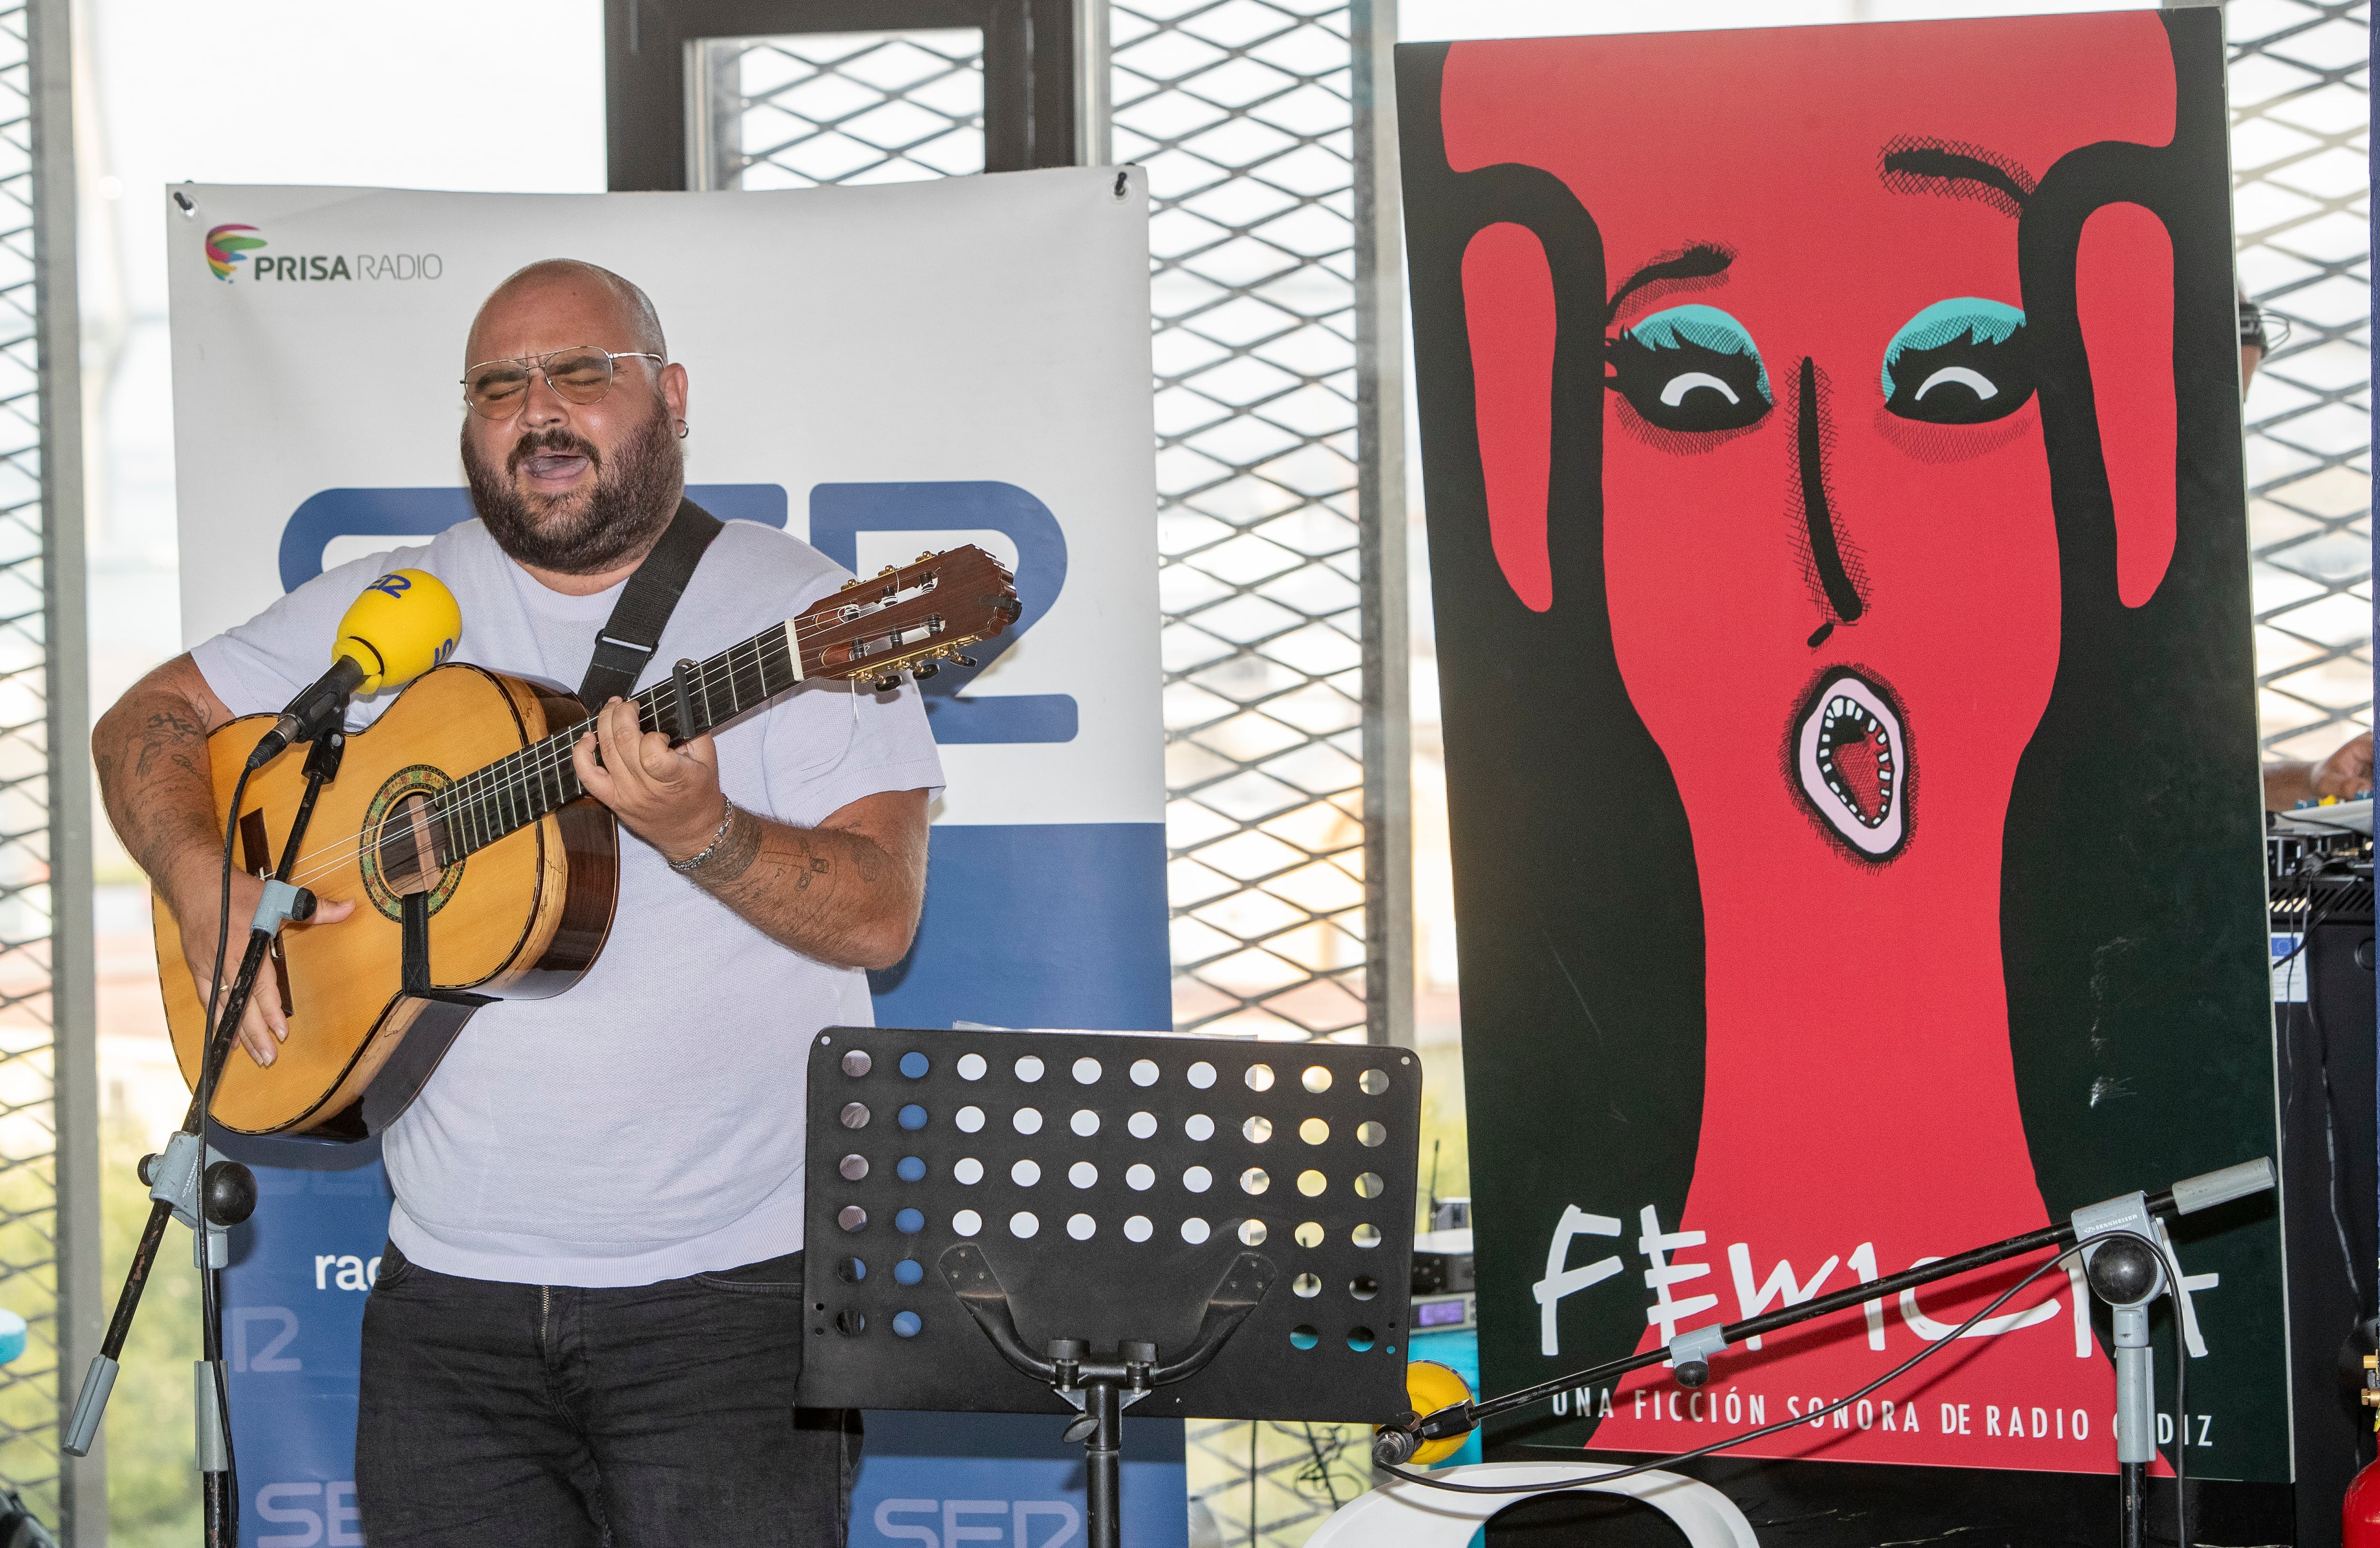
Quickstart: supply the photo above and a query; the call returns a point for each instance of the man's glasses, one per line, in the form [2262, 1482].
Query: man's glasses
[582, 374]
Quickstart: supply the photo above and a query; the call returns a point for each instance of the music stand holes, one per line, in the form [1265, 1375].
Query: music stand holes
[1370, 1133]
[971, 1067]
[1315, 1079]
[1304, 1338]
[857, 1063]
[908, 1270]
[1310, 1235]
[1197, 1179]
[1024, 1174]
[1029, 1069]
[1259, 1077]
[851, 1271]
[1196, 1231]
[1372, 1082]
[1369, 1185]
[1255, 1180]
[1202, 1075]
[1358, 1339]
[1366, 1236]
[1144, 1072]
[1087, 1071]
[1081, 1226]
[914, 1064]
[1259, 1129]
[854, 1115]
[1307, 1286]
[1022, 1224]
[1314, 1131]
[851, 1217]
[911, 1170]
[907, 1324]
[852, 1168]
[1312, 1183]
[909, 1222]
[1198, 1127]
[851, 1322]
[1028, 1120]
[1138, 1228]
[1082, 1173]
[967, 1170]
[1363, 1286]
[1252, 1233]
[1141, 1126]
[912, 1117]
[1084, 1123]
[967, 1222]
[970, 1120]
[1140, 1176]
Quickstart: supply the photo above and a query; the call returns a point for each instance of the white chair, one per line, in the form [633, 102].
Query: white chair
[1403, 1515]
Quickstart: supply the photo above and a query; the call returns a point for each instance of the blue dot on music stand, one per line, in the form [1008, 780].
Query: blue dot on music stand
[913, 1064]
[911, 1170]
[906, 1324]
[912, 1117]
[908, 1270]
[909, 1222]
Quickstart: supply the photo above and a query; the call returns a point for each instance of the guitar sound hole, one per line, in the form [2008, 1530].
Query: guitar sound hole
[411, 859]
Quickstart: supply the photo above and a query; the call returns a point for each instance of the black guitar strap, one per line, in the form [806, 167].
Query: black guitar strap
[633, 632]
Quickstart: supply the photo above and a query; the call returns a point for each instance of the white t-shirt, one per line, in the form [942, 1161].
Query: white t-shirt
[646, 1124]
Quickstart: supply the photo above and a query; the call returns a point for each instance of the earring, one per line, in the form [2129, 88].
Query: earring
[682, 429]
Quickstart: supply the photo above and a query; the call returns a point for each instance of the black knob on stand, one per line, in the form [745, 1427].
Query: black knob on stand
[227, 1193]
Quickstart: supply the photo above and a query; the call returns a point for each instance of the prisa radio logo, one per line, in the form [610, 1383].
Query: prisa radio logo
[230, 247]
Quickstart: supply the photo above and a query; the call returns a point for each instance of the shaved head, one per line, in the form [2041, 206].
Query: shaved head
[636, 325]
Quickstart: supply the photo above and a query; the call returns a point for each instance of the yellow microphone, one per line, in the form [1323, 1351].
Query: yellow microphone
[403, 623]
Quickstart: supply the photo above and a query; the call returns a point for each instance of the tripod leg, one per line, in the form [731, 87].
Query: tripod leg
[1103, 1466]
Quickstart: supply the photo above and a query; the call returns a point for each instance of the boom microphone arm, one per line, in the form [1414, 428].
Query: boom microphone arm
[1400, 1437]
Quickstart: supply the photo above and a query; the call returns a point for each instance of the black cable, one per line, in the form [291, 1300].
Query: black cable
[210, 1070]
[2181, 1351]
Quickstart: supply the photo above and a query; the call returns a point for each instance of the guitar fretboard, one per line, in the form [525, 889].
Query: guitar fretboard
[517, 790]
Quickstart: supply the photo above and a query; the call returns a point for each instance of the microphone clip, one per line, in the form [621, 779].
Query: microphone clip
[323, 707]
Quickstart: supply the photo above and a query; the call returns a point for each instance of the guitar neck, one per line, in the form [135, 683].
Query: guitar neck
[517, 790]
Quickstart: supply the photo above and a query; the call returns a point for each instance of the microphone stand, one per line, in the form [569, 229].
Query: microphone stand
[209, 1197]
[2122, 1239]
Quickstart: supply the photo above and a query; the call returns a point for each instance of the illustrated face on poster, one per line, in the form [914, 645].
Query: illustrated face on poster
[1762, 426]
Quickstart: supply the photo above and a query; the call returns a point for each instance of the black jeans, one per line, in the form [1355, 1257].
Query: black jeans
[529, 1416]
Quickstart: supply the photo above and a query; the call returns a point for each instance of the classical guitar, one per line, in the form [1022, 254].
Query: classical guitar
[480, 868]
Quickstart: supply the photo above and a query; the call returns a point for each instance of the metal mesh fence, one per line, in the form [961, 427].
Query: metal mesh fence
[28, 1214]
[2301, 108]
[1241, 112]
[804, 109]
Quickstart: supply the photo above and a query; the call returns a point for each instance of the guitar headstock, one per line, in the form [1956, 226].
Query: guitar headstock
[908, 617]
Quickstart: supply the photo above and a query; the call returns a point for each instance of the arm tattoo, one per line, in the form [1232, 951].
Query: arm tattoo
[738, 848]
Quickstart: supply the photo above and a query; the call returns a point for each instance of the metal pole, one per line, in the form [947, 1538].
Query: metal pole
[1103, 1470]
[82, 1483]
[1380, 514]
[1094, 111]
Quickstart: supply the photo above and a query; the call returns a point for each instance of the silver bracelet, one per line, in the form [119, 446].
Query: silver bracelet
[694, 862]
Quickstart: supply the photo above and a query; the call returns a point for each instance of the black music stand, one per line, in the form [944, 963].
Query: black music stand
[1180, 1225]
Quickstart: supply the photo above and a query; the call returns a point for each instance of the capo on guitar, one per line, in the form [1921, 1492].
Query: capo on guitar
[678, 675]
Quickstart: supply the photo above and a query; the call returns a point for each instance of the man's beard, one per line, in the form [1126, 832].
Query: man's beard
[634, 497]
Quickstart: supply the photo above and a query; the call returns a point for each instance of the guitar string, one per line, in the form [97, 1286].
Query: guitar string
[547, 756]
[484, 790]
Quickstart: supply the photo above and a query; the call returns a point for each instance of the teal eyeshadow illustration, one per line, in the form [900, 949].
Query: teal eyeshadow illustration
[1707, 326]
[1970, 318]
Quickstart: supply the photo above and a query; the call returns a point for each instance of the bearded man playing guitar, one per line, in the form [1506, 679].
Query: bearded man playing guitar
[587, 1325]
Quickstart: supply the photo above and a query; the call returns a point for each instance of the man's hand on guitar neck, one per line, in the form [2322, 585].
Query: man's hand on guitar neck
[150, 752]
[846, 892]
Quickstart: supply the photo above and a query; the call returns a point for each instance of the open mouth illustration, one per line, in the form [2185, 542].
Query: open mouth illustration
[1850, 755]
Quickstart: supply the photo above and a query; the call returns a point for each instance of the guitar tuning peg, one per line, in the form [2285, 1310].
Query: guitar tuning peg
[888, 569]
[926, 669]
[850, 585]
[923, 558]
[888, 683]
[965, 661]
